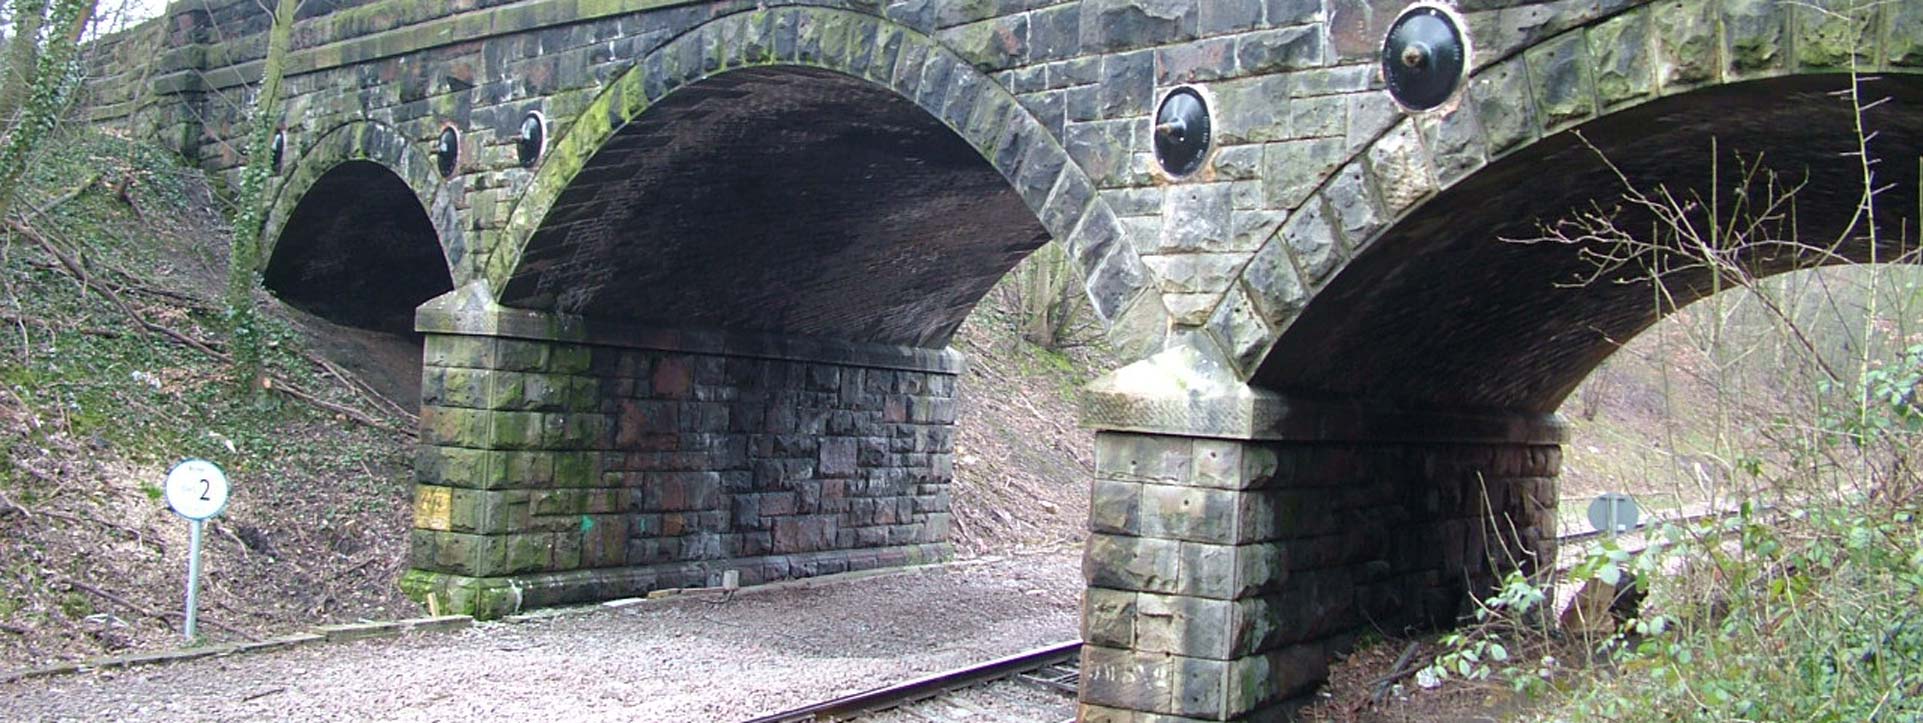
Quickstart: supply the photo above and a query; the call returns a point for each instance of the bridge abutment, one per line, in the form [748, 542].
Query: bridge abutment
[566, 462]
[1238, 538]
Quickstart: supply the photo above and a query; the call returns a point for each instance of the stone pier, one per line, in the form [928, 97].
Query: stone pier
[1238, 538]
[562, 462]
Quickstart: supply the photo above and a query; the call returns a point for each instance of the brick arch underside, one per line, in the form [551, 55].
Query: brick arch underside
[359, 250]
[1440, 313]
[780, 199]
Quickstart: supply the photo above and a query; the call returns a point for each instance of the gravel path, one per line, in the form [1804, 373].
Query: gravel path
[686, 659]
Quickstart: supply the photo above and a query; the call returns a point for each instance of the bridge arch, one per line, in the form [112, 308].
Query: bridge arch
[1390, 286]
[946, 157]
[386, 146]
[1460, 320]
[350, 235]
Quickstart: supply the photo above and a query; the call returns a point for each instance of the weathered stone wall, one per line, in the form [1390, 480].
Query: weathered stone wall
[1221, 573]
[120, 91]
[418, 70]
[1312, 160]
[553, 472]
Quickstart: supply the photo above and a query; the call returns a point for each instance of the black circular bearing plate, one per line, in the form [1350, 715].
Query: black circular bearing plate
[277, 151]
[447, 152]
[533, 140]
[1424, 57]
[1182, 132]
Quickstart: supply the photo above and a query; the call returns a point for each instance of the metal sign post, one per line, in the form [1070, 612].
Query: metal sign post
[193, 576]
[197, 490]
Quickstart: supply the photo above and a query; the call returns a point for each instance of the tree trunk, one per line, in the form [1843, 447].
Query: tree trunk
[1045, 279]
[55, 76]
[243, 263]
[22, 56]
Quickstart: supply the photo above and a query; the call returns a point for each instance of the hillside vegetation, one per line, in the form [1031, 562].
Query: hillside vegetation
[111, 370]
[1797, 405]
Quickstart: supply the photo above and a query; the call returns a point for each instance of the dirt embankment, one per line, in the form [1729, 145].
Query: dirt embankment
[102, 389]
[1023, 465]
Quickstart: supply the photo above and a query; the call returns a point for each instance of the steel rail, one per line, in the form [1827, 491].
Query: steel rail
[886, 697]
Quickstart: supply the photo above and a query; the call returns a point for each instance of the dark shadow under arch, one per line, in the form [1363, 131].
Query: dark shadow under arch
[782, 199]
[1439, 313]
[358, 250]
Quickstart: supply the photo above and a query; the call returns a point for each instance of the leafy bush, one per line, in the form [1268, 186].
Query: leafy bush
[1810, 617]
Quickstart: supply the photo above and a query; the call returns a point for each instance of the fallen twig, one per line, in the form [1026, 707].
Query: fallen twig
[365, 390]
[75, 269]
[64, 198]
[236, 538]
[115, 599]
[13, 318]
[163, 617]
[357, 566]
[281, 385]
[123, 190]
[262, 694]
[1402, 669]
[78, 520]
[128, 283]
[28, 415]
[10, 504]
[79, 272]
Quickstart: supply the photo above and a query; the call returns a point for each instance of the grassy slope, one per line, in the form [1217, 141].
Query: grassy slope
[93, 412]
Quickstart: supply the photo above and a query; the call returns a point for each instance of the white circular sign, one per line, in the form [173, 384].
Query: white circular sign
[196, 489]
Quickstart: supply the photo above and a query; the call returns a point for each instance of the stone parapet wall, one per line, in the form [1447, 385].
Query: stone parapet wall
[582, 471]
[1223, 573]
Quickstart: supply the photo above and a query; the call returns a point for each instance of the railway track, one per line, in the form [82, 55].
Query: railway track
[1657, 522]
[1051, 668]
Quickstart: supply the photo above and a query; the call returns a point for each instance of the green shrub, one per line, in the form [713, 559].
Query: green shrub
[1812, 617]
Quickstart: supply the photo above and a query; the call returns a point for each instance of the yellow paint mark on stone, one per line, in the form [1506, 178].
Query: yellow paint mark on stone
[434, 508]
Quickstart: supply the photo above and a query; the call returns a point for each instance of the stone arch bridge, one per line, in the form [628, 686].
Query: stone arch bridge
[686, 271]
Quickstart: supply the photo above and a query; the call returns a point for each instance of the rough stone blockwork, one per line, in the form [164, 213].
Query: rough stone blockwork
[1312, 161]
[556, 472]
[1222, 573]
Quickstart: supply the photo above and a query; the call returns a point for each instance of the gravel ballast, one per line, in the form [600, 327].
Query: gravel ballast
[696, 657]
